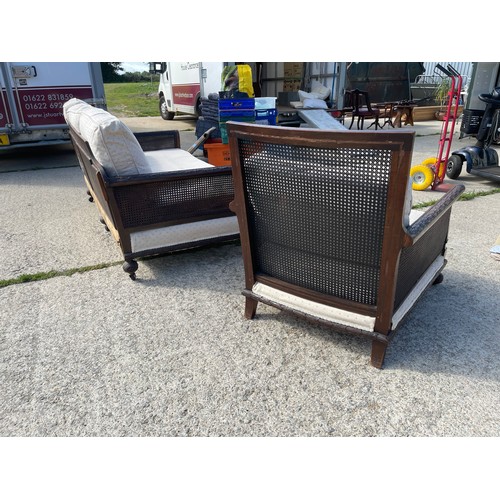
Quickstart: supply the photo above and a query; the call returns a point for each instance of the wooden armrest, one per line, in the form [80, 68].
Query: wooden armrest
[162, 139]
[167, 176]
[427, 220]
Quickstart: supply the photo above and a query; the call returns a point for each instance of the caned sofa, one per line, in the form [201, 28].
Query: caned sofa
[151, 195]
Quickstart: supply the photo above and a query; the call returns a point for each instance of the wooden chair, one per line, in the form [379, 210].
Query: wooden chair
[327, 230]
[359, 101]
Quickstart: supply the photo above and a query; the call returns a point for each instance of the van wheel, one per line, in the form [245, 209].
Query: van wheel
[454, 167]
[164, 112]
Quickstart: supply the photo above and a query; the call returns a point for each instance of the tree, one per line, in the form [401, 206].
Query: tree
[110, 72]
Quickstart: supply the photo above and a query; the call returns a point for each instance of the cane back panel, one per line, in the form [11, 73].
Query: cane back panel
[316, 215]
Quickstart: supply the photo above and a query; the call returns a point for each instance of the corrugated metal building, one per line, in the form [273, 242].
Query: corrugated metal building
[464, 68]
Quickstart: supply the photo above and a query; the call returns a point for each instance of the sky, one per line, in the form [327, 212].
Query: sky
[132, 67]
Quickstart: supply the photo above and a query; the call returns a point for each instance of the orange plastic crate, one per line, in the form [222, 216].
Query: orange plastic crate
[219, 154]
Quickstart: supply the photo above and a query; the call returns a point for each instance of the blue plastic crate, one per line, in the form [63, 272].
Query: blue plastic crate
[236, 104]
[265, 116]
[225, 116]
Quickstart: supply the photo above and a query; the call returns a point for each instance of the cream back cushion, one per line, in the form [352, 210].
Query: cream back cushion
[111, 141]
[72, 111]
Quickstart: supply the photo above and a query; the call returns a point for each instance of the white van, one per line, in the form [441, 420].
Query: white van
[183, 84]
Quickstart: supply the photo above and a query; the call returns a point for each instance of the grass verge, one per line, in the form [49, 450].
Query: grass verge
[25, 278]
[462, 197]
[132, 99]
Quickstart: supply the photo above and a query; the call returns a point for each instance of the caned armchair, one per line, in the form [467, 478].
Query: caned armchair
[327, 229]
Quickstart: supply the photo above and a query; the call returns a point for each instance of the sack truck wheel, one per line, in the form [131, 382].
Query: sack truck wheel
[421, 177]
[430, 161]
[454, 167]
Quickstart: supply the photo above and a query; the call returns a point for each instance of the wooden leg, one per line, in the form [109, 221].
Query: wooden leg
[250, 307]
[378, 353]
[439, 279]
[397, 120]
[130, 267]
[410, 117]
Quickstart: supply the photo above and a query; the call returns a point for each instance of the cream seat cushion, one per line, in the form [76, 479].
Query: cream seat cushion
[172, 160]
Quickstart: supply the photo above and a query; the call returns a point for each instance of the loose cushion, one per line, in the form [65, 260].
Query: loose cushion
[408, 204]
[111, 141]
[171, 160]
[318, 91]
[72, 111]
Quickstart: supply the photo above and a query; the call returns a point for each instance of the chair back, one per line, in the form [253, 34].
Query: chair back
[357, 100]
[320, 211]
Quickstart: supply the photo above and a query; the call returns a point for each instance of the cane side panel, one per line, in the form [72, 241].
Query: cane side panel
[416, 259]
[197, 197]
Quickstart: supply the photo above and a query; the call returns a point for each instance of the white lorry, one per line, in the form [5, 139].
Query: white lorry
[32, 95]
[183, 84]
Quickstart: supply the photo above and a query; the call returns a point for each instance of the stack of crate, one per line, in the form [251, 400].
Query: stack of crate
[238, 109]
[261, 110]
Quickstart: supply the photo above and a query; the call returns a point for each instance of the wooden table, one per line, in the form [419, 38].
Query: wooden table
[400, 111]
[404, 112]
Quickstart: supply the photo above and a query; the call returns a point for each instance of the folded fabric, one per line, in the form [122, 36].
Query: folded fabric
[212, 116]
[315, 103]
[318, 91]
[203, 124]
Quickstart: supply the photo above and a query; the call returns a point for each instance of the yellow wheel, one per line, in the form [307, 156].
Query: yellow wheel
[430, 161]
[421, 177]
